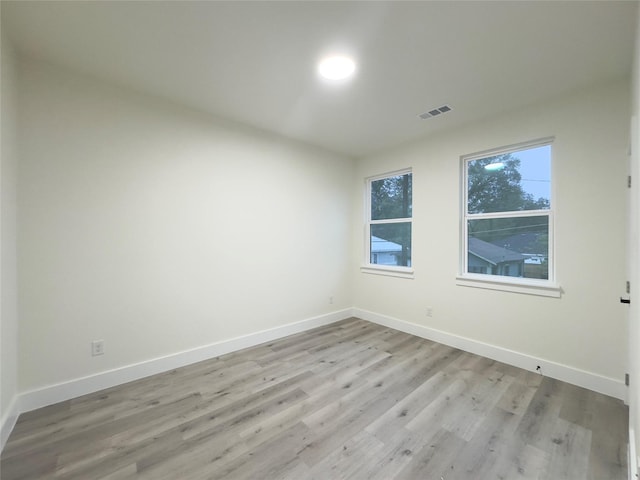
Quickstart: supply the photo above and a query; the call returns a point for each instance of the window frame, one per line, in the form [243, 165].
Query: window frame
[544, 287]
[374, 268]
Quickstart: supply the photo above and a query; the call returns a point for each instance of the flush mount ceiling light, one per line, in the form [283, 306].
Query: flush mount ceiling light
[336, 67]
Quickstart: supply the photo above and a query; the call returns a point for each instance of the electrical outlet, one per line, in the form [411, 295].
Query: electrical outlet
[97, 348]
[429, 311]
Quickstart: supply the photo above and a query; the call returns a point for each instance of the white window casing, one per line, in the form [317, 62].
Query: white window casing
[385, 260]
[500, 277]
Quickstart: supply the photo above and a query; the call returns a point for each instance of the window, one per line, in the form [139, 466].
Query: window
[389, 217]
[508, 217]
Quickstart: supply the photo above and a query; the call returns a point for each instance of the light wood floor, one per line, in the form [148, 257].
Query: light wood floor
[349, 400]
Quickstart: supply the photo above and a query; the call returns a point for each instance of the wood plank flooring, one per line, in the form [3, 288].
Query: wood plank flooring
[349, 400]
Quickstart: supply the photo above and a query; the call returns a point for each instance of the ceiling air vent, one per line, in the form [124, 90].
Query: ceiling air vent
[435, 112]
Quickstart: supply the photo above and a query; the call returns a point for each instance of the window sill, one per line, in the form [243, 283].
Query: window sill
[529, 287]
[400, 272]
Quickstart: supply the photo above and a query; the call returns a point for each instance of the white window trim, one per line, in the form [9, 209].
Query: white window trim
[529, 286]
[399, 272]
[373, 268]
[547, 288]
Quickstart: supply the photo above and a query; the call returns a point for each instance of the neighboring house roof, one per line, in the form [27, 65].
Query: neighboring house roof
[492, 253]
[380, 245]
[523, 243]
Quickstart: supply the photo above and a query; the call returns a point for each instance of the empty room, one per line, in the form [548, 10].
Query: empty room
[320, 240]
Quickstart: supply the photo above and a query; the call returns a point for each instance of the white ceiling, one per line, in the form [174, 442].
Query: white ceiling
[254, 62]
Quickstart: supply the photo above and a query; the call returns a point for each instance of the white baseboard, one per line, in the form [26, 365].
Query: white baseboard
[51, 394]
[575, 376]
[9, 421]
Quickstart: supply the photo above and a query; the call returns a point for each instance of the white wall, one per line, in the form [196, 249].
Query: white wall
[160, 230]
[8, 278]
[634, 264]
[585, 329]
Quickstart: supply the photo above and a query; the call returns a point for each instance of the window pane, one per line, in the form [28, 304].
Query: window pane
[510, 182]
[391, 197]
[391, 244]
[511, 247]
